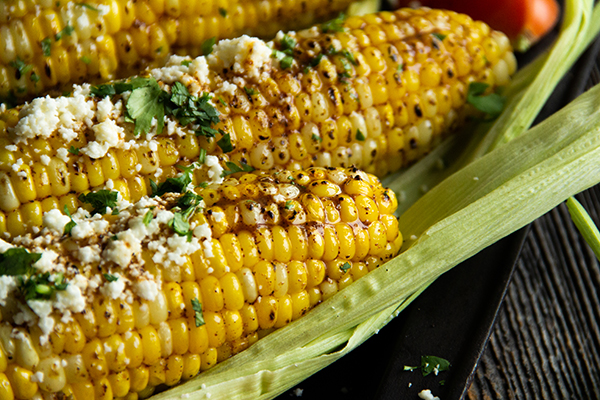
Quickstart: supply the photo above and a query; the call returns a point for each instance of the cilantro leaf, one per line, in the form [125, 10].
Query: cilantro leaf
[189, 199]
[73, 150]
[430, 364]
[17, 261]
[202, 156]
[234, 168]
[34, 77]
[360, 136]
[335, 25]
[439, 36]
[346, 266]
[250, 91]
[21, 67]
[225, 143]
[46, 44]
[145, 103]
[207, 46]
[103, 90]
[186, 63]
[85, 59]
[111, 278]
[197, 307]
[69, 225]
[287, 43]
[174, 185]
[289, 205]
[286, 62]
[223, 12]
[100, 200]
[316, 61]
[316, 138]
[88, 6]
[491, 104]
[148, 217]
[349, 56]
[179, 224]
[67, 30]
[409, 368]
[41, 286]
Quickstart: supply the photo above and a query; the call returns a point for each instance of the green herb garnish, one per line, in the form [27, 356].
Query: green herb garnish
[491, 104]
[148, 217]
[21, 67]
[207, 46]
[250, 91]
[69, 225]
[111, 278]
[67, 30]
[46, 44]
[360, 136]
[439, 36]
[199, 317]
[289, 205]
[335, 25]
[89, 7]
[434, 364]
[346, 266]
[18, 261]
[73, 150]
[100, 200]
[223, 12]
[234, 168]
[225, 143]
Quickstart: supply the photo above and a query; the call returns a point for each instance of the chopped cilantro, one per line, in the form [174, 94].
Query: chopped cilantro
[111, 278]
[223, 12]
[335, 25]
[197, 307]
[222, 101]
[287, 44]
[400, 68]
[317, 138]
[89, 7]
[179, 224]
[67, 30]
[439, 36]
[73, 150]
[115, 212]
[442, 382]
[315, 61]
[17, 261]
[207, 46]
[491, 104]
[289, 205]
[234, 168]
[225, 143]
[103, 90]
[85, 59]
[250, 91]
[46, 44]
[158, 49]
[360, 136]
[186, 63]
[69, 225]
[409, 368]
[148, 217]
[346, 266]
[34, 77]
[202, 156]
[41, 286]
[171, 185]
[286, 62]
[189, 199]
[100, 200]
[145, 103]
[430, 364]
[21, 67]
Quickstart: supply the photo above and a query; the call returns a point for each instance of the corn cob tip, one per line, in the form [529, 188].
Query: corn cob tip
[118, 300]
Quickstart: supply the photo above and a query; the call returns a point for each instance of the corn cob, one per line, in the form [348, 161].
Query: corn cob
[375, 92]
[49, 44]
[143, 304]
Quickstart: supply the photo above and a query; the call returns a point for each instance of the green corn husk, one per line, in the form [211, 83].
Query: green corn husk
[498, 193]
[585, 224]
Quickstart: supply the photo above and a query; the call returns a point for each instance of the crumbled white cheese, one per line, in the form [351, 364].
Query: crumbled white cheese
[55, 221]
[218, 216]
[7, 285]
[199, 69]
[107, 135]
[115, 289]
[427, 395]
[215, 170]
[46, 262]
[147, 290]
[43, 309]
[228, 88]
[247, 55]
[45, 159]
[298, 392]
[11, 147]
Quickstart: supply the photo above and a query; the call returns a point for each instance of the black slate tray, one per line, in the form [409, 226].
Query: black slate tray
[452, 319]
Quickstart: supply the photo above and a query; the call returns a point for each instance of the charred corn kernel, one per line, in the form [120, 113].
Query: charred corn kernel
[109, 44]
[209, 306]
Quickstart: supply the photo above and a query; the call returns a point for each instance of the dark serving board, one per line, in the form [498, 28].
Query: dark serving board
[452, 319]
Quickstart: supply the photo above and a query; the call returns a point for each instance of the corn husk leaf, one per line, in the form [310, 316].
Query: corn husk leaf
[585, 224]
[491, 197]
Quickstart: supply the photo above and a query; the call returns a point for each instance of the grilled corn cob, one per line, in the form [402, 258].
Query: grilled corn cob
[49, 44]
[117, 305]
[375, 92]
